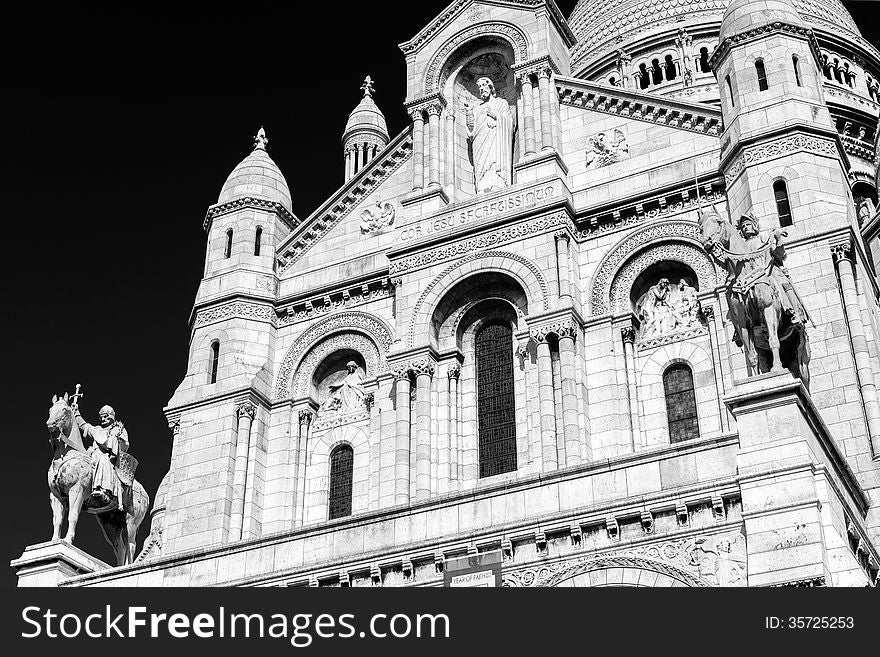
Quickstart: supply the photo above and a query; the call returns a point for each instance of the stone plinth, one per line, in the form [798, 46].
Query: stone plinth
[544, 164]
[46, 564]
[792, 478]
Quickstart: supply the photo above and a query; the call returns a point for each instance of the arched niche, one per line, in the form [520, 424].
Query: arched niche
[332, 370]
[325, 363]
[673, 271]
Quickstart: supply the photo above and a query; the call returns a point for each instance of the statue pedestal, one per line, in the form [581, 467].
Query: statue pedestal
[46, 564]
[791, 476]
[424, 202]
[543, 164]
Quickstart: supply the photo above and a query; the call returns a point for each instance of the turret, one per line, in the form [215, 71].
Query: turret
[365, 132]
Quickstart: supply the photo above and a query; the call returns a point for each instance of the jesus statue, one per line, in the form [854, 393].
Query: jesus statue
[490, 131]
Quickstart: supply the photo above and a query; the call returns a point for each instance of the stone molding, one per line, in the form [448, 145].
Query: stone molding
[760, 32]
[345, 322]
[675, 336]
[642, 107]
[538, 66]
[675, 231]
[238, 309]
[533, 269]
[325, 304]
[769, 150]
[355, 341]
[290, 220]
[858, 148]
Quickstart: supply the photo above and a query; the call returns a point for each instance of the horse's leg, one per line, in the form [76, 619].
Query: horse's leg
[803, 355]
[771, 321]
[75, 497]
[57, 516]
[748, 349]
[131, 527]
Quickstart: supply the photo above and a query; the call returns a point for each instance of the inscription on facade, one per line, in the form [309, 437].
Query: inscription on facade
[522, 199]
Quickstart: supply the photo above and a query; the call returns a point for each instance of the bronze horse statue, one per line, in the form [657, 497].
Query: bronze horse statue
[70, 486]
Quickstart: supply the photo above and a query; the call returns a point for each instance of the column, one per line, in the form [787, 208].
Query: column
[709, 314]
[629, 338]
[568, 383]
[245, 411]
[347, 165]
[434, 144]
[435, 438]
[424, 370]
[449, 146]
[562, 264]
[305, 419]
[843, 254]
[401, 446]
[546, 121]
[454, 457]
[549, 460]
[418, 149]
[528, 95]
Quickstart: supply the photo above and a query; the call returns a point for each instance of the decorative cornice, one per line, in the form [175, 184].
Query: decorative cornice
[345, 200]
[351, 296]
[759, 33]
[641, 106]
[669, 338]
[290, 220]
[858, 148]
[768, 150]
[238, 309]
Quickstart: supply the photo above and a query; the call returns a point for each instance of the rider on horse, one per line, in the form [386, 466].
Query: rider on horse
[109, 440]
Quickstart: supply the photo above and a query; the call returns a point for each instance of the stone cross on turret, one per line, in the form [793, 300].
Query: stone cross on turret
[367, 86]
[261, 139]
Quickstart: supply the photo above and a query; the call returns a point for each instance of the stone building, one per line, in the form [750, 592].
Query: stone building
[503, 336]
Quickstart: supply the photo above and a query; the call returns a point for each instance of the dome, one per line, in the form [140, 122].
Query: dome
[366, 117]
[161, 492]
[597, 24]
[257, 176]
[742, 15]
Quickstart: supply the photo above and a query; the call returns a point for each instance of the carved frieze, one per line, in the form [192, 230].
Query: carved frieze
[777, 148]
[240, 309]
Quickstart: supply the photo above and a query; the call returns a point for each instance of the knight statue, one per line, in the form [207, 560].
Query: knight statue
[111, 472]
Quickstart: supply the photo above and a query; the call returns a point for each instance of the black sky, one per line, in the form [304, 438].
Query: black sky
[121, 124]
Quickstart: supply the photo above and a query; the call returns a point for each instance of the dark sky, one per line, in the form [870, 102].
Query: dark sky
[121, 125]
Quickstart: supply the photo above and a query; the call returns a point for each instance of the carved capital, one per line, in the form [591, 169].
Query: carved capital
[524, 77]
[454, 372]
[422, 366]
[415, 113]
[628, 333]
[544, 72]
[562, 235]
[539, 335]
[842, 251]
[561, 329]
[370, 399]
[174, 425]
[305, 417]
[566, 330]
[246, 408]
[709, 313]
[401, 372]
[434, 108]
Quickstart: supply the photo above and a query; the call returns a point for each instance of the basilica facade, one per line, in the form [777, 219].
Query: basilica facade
[511, 334]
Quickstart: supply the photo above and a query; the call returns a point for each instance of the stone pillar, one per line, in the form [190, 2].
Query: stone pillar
[546, 121]
[401, 446]
[629, 338]
[709, 314]
[304, 420]
[454, 458]
[549, 460]
[449, 147]
[568, 384]
[418, 149]
[562, 265]
[528, 95]
[347, 164]
[843, 254]
[365, 157]
[434, 143]
[245, 411]
[424, 371]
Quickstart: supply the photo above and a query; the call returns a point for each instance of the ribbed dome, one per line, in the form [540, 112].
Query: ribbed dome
[597, 23]
[744, 15]
[366, 117]
[257, 176]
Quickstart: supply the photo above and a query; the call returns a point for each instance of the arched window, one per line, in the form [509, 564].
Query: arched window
[783, 208]
[228, 251]
[762, 75]
[341, 470]
[257, 239]
[681, 403]
[704, 61]
[215, 359]
[670, 68]
[656, 72]
[797, 70]
[836, 68]
[644, 77]
[730, 91]
[496, 421]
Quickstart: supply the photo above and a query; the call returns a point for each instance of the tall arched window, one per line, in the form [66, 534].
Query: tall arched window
[783, 208]
[644, 77]
[797, 70]
[681, 403]
[215, 359]
[341, 470]
[704, 61]
[762, 75]
[730, 91]
[228, 251]
[670, 68]
[496, 421]
[257, 239]
[656, 72]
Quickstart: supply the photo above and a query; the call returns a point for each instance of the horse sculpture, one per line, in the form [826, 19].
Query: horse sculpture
[766, 311]
[70, 486]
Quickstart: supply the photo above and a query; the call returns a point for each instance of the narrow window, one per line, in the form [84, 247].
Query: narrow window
[228, 251]
[762, 75]
[704, 60]
[837, 71]
[257, 240]
[341, 468]
[783, 208]
[670, 68]
[681, 403]
[656, 71]
[644, 79]
[495, 402]
[730, 91]
[215, 359]
[797, 70]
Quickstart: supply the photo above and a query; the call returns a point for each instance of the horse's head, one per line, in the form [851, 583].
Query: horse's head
[60, 414]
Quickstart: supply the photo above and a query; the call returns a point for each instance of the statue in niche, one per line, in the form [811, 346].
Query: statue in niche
[490, 132]
[604, 150]
[688, 304]
[664, 308]
[348, 395]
